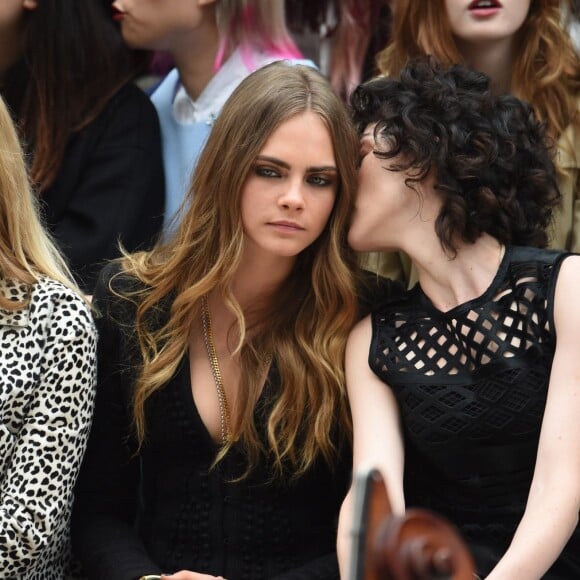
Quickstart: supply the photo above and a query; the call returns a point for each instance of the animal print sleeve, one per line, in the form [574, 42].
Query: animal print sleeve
[58, 358]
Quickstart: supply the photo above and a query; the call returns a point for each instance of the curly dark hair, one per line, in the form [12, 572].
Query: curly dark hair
[491, 157]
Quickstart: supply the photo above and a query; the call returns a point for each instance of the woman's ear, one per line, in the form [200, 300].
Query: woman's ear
[30, 4]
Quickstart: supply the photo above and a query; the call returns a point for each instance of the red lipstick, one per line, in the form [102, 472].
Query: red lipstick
[118, 15]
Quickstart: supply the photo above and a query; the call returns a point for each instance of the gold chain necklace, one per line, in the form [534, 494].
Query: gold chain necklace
[215, 371]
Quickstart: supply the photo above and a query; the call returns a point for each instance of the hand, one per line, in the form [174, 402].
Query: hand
[187, 575]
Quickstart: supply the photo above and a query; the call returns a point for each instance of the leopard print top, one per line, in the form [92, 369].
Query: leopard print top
[47, 386]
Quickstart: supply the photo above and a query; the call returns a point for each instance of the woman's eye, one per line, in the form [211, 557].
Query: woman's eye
[263, 171]
[320, 180]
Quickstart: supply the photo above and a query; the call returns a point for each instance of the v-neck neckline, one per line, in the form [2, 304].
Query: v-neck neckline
[186, 391]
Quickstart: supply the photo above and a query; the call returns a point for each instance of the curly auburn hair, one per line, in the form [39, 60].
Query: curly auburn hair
[491, 158]
[546, 71]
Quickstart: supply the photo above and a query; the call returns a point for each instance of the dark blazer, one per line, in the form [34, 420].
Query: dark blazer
[110, 187]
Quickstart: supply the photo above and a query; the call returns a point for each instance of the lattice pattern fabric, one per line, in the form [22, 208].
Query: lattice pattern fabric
[471, 384]
[477, 369]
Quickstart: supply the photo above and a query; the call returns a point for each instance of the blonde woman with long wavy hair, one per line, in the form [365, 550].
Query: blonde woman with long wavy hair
[221, 401]
[524, 48]
[47, 379]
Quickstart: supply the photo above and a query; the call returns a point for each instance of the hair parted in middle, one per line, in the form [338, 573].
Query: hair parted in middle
[307, 327]
[490, 157]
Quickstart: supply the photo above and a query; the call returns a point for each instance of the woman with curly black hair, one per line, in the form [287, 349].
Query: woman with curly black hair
[480, 418]
[525, 49]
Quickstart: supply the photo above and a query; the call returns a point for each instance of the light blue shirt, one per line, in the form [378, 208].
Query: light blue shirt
[186, 124]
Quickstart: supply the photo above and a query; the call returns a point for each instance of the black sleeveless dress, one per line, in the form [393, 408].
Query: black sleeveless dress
[471, 384]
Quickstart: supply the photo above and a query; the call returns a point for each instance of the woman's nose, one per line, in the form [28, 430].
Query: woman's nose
[293, 196]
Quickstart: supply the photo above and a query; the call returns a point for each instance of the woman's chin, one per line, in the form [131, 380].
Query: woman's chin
[354, 241]
[359, 244]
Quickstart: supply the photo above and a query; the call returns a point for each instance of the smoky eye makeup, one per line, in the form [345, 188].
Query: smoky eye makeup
[324, 179]
[264, 170]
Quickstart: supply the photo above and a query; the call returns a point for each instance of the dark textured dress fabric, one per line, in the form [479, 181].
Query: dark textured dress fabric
[472, 384]
[165, 509]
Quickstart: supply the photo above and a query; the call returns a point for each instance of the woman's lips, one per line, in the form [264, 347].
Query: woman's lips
[287, 226]
[484, 8]
[118, 15]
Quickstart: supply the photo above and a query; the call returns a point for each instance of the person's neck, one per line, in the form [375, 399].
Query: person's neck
[494, 58]
[194, 59]
[257, 281]
[254, 287]
[449, 280]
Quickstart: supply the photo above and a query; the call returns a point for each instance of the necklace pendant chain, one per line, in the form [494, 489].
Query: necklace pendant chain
[215, 371]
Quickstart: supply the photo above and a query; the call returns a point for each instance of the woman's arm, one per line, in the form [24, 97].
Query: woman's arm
[36, 488]
[551, 513]
[378, 440]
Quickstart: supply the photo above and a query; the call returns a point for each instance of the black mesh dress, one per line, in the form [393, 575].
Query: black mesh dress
[471, 384]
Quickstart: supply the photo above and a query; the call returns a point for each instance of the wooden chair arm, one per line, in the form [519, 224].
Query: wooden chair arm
[419, 545]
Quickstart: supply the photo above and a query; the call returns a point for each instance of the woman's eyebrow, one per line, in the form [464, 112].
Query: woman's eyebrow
[280, 163]
[322, 169]
[273, 160]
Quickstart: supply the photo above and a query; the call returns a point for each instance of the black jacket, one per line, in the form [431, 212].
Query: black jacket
[110, 187]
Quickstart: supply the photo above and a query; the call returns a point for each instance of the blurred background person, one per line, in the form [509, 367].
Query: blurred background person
[214, 45]
[525, 49]
[91, 136]
[341, 36]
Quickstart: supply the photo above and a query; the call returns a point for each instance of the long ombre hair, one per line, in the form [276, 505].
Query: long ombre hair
[26, 251]
[307, 327]
[546, 71]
